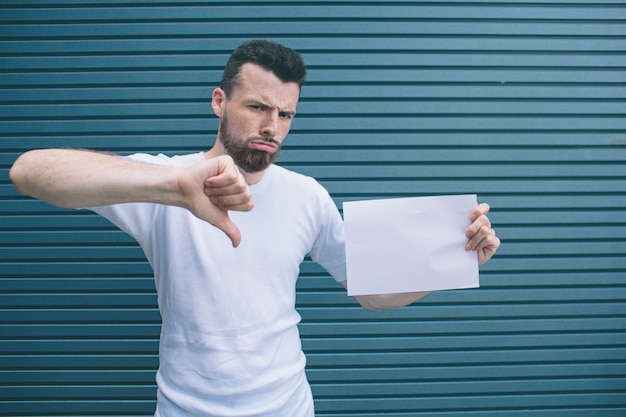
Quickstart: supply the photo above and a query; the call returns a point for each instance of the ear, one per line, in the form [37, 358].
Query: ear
[218, 100]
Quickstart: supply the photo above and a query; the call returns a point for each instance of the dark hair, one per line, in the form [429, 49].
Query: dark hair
[284, 62]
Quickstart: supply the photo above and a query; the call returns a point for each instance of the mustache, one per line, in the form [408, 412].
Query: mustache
[270, 140]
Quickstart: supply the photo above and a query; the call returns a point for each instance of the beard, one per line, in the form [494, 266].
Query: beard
[247, 159]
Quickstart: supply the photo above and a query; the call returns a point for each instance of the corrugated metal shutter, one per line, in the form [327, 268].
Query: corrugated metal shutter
[520, 102]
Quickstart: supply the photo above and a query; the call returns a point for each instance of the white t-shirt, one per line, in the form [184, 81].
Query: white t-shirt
[229, 340]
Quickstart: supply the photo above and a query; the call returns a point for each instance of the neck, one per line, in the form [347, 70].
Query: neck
[218, 150]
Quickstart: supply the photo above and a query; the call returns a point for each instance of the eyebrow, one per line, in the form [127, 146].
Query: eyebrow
[267, 106]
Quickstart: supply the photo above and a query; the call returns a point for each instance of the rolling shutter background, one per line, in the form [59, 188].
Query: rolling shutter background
[522, 103]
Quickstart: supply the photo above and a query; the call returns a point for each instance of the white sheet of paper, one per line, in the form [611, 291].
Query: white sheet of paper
[409, 244]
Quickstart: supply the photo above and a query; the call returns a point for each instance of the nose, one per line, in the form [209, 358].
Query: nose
[270, 124]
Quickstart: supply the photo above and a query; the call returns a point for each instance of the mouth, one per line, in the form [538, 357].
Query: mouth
[265, 145]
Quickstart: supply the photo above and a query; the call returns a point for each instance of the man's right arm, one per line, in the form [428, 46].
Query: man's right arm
[81, 178]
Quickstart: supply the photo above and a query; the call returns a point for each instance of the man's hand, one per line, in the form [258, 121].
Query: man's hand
[482, 238]
[212, 188]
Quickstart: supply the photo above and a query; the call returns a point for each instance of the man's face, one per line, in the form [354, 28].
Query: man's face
[256, 117]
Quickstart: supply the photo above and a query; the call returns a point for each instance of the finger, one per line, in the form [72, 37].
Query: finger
[474, 228]
[229, 191]
[237, 202]
[222, 171]
[483, 239]
[231, 230]
[487, 248]
[218, 218]
[225, 182]
[480, 210]
[229, 195]
[475, 239]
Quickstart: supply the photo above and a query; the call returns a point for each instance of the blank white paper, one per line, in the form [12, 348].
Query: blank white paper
[409, 244]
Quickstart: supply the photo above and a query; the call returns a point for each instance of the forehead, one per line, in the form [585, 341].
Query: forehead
[257, 83]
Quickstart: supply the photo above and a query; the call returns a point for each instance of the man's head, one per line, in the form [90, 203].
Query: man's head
[257, 101]
[284, 62]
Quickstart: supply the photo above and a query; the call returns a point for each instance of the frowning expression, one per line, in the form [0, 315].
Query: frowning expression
[256, 117]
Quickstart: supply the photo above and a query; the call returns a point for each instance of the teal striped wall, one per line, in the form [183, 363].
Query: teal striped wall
[521, 102]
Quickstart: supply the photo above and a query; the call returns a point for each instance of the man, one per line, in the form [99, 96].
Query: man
[225, 272]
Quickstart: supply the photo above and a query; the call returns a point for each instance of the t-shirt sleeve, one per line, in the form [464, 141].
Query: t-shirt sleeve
[329, 249]
[136, 219]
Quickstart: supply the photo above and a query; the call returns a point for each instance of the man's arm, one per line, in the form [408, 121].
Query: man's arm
[481, 238]
[81, 178]
[379, 302]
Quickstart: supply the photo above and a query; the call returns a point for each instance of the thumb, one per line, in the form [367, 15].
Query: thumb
[230, 229]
